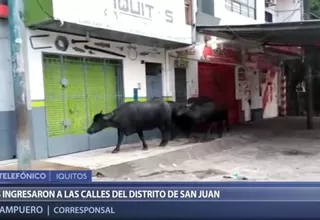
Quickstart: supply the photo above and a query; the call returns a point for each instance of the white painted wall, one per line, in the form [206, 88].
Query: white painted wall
[286, 10]
[6, 83]
[232, 18]
[192, 79]
[133, 71]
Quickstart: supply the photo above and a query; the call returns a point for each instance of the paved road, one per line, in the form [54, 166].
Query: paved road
[278, 149]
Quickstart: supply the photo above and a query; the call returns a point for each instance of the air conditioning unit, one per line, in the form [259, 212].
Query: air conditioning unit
[271, 3]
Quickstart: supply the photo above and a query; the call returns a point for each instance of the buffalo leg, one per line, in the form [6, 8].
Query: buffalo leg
[188, 129]
[120, 139]
[227, 126]
[207, 134]
[165, 137]
[173, 132]
[144, 144]
[227, 123]
[220, 128]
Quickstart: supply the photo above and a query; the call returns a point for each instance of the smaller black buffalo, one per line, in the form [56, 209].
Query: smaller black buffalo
[135, 117]
[204, 110]
[180, 123]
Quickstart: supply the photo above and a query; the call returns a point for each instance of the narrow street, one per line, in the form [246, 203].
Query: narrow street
[274, 150]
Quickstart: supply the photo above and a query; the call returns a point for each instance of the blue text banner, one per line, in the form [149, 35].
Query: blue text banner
[235, 200]
[161, 210]
[212, 194]
[39, 176]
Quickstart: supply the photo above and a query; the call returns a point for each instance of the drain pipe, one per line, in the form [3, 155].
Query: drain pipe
[194, 9]
[194, 39]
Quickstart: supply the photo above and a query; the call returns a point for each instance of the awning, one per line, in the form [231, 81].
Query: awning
[304, 33]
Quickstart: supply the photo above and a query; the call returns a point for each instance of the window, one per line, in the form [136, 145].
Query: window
[268, 17]
[206, 7]
[244, 7]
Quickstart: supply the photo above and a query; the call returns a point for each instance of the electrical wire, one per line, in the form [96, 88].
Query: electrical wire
[313, 14]
[293, 12]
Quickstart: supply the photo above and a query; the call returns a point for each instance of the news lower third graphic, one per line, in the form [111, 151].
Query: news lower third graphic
[45, 176]
[71, 194]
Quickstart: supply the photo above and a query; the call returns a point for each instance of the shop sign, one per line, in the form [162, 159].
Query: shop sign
[139, 17]
[139, 9]
[182, 59]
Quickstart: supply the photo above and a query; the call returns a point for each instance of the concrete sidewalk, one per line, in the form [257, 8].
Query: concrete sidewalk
[131, 158]
[103, 161]
[39, 165]
[97, 160]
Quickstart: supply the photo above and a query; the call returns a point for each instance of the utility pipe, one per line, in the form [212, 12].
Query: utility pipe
[23, 142]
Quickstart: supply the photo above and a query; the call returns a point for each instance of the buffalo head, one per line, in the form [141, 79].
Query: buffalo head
[100, 122]
[184, 109]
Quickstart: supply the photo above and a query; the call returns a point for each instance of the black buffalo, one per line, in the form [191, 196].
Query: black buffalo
[136, 117]
[180, 123]
[204, 110]
[199, 100]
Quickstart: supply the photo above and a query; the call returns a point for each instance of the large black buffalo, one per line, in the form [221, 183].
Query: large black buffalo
[204, 110]
[136, 117]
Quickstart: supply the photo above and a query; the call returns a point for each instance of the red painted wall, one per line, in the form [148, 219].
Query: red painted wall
[218, 82]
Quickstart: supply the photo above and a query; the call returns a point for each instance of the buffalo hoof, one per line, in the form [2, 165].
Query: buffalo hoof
[115, 151]
[163, 143]
[145, 148]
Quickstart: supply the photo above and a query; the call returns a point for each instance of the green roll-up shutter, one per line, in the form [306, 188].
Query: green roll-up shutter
[95, 86]
[111, 86]
[53, 95]
[75, 96]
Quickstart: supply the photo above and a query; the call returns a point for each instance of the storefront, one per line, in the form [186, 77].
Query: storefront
[211, 73]
[249, 84]
[260, 79]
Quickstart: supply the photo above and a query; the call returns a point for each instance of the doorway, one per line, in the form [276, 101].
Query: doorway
[154, 81]
[180, 80]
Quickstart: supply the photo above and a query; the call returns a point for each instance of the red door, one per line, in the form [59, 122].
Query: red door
[218, 82]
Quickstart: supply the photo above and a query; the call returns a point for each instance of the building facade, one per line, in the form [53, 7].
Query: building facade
[237, 73]
[7, 114]
[80, 62]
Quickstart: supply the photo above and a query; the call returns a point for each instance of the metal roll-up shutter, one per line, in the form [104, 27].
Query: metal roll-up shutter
[75, 96]
[95, 86]
[53, 95]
